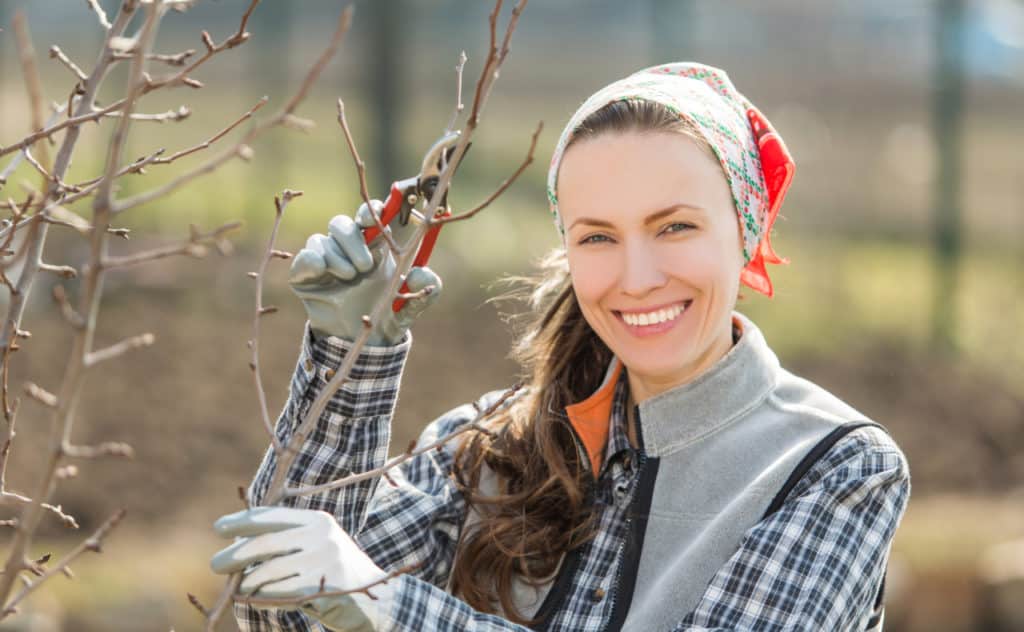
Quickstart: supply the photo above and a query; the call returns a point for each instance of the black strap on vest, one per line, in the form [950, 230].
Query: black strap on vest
[805, 464]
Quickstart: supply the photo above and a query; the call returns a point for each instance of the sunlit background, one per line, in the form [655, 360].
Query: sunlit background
[903, 227]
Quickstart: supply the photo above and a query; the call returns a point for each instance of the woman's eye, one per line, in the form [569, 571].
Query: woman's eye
[593, 239]
[678, 227]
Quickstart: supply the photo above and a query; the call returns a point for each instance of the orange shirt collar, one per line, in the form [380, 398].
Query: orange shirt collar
[591, 418]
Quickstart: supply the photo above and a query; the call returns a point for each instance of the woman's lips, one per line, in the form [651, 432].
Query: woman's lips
[656, 328]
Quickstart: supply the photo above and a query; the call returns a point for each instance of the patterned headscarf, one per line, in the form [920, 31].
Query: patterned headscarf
[756, 162]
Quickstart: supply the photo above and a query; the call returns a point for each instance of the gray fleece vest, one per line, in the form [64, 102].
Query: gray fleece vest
[716, 452]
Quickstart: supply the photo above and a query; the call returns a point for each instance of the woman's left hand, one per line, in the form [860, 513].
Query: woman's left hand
[303, 553]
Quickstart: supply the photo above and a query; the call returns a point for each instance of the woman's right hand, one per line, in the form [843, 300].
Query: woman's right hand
[339, 279]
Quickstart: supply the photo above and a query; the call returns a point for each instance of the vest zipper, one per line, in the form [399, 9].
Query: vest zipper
[613, 594]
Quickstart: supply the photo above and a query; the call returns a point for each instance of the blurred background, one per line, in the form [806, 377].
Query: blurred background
[903, 226]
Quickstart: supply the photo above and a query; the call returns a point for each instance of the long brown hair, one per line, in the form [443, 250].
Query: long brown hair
[544, 507]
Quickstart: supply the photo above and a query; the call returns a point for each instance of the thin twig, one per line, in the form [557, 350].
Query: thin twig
[272, 602]
[242, 148]
[108, 448]
[9, 498]
[71, 316]
[194, 247]
[65, 272]
[59, 55]
[175, 59]
[13, 164]
[501, 189]
[74, 121]
[40, 394]
[179, 78]
[213, 139]
[128, 344]
[98, 10]
[27, 53]
[61, 421]
[93, 543]
[280, 203]
[180, 114]
[50, 178]
[458, 91]
[364, 190]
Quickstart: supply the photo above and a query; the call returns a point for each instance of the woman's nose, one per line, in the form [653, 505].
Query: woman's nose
[641, 271]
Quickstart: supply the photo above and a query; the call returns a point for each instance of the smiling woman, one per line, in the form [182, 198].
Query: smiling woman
[661, 471]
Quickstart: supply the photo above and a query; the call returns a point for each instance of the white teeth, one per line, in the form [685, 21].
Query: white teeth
[652, 318]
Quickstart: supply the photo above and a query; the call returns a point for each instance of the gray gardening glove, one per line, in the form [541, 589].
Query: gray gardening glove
[339, 279]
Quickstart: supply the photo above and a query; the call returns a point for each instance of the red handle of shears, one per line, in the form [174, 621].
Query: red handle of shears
[391, 207]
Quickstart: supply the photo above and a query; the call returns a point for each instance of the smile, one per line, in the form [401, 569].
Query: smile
[655, 317]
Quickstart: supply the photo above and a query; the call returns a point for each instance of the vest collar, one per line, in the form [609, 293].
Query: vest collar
[669, 421]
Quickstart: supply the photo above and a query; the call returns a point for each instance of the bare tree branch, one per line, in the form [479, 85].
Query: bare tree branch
[194, 247]
[37, 237]
[72, 122]
[108, 448]
[11, 498]
[458, 91]
[65, 272]
[71, 316]
[364, 190]
[26, 52]
[182, 113]
[128, 344]
[501, 189]
[175, 59]
[59, 55]
[98, 10]
[280, 203]
[67, 399]
[271, 602]
[239, 37]
[41, 395]
[94, 543]
[242, 147]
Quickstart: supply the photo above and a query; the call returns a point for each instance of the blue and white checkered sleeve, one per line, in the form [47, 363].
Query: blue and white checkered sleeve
[417, 522]
[817, 563]
[351, 436]
[418, 605]
[416, 515]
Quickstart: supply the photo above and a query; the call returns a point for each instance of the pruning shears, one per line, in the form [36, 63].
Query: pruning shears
[405, 194]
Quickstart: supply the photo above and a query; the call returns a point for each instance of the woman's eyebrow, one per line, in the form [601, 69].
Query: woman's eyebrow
[653, 217]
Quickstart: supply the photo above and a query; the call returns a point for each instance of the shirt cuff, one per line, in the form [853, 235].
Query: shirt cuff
[372, 385]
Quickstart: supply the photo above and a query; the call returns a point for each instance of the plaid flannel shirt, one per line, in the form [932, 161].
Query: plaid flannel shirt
[814, 565]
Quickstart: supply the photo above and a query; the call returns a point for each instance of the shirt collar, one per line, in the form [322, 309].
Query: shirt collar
[618, 434]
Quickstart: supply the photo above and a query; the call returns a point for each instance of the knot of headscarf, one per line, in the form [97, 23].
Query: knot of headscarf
[753, 156]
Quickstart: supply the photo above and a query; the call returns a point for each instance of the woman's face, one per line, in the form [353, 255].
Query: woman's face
[654, 250]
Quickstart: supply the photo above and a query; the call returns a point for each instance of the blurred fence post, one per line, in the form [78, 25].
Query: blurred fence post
[947, 121]
[387, 22]
[672, 30]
